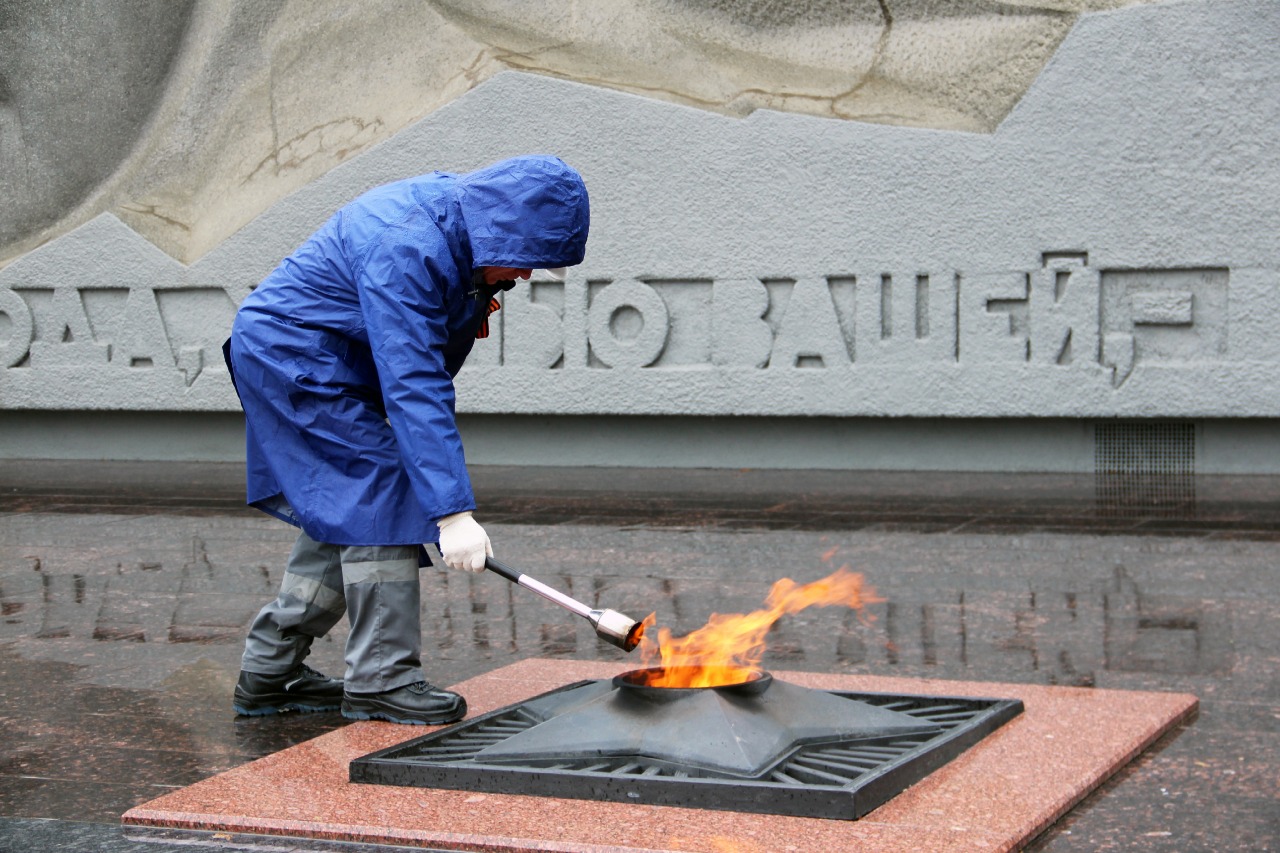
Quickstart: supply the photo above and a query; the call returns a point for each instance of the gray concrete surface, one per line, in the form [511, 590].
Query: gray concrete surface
[1011, 445]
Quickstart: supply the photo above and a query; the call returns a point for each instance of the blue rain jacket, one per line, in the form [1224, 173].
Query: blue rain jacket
[344, 356]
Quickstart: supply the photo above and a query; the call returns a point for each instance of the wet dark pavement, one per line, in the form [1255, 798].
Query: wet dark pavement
[125, 589]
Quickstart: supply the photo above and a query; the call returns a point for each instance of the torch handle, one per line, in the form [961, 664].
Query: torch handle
[502, 569]
[521, 579]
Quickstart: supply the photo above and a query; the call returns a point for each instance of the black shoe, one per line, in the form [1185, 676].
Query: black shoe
[301, 689]
[421, 704]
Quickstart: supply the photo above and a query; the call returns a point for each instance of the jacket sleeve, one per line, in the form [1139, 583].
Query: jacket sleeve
[403, 299]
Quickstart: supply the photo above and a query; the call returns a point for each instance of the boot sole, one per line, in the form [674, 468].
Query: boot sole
[389, 716]
[280, 705]
[264, 710]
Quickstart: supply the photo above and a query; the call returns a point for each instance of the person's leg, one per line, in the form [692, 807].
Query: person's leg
[310, 602]
[383, 594]
[384, 678]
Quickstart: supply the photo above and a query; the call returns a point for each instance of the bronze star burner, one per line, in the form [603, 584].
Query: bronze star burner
[762, 745]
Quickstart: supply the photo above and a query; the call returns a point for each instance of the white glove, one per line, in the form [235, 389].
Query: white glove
[463, 542]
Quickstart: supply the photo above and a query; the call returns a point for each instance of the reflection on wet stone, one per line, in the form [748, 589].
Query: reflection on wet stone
[59, 610]
[785, 643]
[557, 639]
[216, 603]
[1021, 636]
[1054, 635]
[8, 607]
[479, 625]
[1164, 634]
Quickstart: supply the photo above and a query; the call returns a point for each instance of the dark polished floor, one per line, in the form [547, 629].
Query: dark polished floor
[125, 589]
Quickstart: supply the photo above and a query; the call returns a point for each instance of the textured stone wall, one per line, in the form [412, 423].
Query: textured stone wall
[1107, 249]
[187, 118]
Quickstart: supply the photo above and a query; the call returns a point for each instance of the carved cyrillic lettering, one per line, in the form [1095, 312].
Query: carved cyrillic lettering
[809, 332]
[532, 325]
[1063, 323]
[740, 336]
[64, 337]
[627, 324]
[1168, 316]
[141, 341]
[16, 328]
[1162, 309]
[922, 307]
[196, 322]
[1063, 312]
[688, 303]
[1118, 354]
[905, 317]
[993, 317]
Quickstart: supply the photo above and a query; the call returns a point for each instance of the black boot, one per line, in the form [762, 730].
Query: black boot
[300, 689]
[421, 704]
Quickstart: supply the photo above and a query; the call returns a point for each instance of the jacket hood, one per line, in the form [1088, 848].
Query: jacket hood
[528, 212]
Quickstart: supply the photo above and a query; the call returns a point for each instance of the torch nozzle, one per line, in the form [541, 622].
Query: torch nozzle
[616, 628]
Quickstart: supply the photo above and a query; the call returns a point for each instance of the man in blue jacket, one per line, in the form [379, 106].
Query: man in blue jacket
[344, 359]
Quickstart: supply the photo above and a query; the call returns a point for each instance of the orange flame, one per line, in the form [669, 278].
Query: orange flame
[729, 648]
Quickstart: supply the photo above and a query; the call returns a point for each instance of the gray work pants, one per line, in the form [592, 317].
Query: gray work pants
[378, 589]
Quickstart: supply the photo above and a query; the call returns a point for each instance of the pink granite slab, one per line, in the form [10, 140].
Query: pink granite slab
[996, 796]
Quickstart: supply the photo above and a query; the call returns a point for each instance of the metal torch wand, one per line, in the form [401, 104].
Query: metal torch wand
[611, 626]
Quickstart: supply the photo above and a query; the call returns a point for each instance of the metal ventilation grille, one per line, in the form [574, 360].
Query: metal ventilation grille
[831, 780]
[1145, 468]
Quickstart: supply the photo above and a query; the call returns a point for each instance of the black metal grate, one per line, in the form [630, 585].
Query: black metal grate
[1145, 468]
[842, 780]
